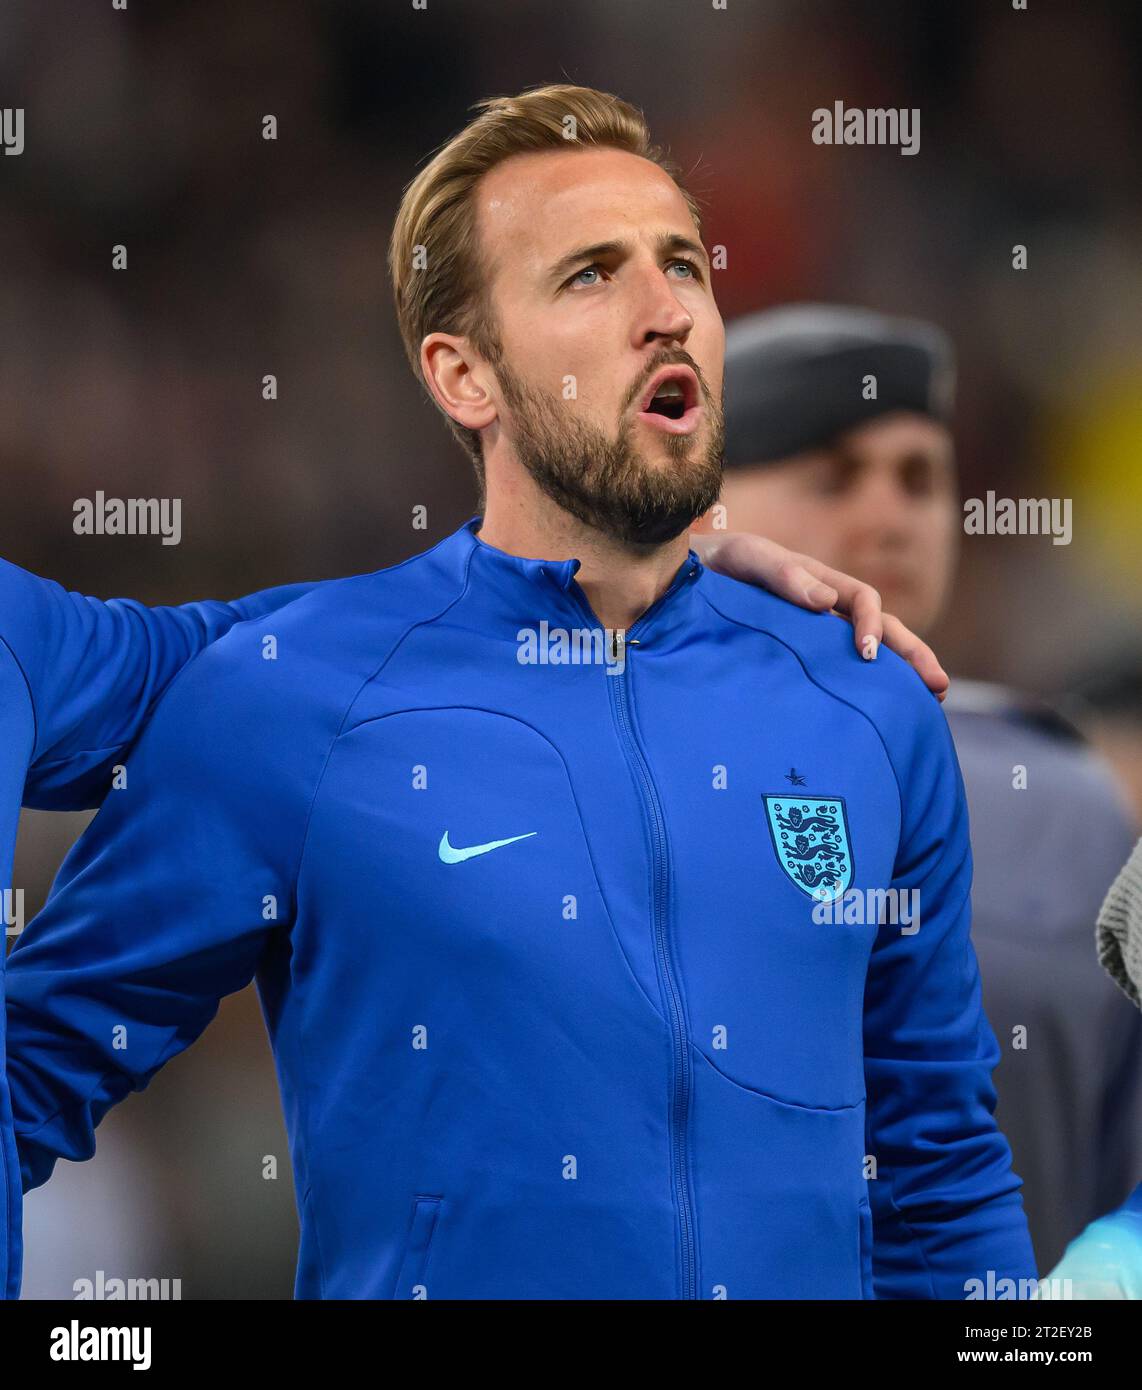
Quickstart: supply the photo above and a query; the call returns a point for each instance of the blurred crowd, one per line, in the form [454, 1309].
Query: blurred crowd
[249, 257]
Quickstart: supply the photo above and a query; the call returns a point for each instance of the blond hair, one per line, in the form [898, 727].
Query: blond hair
[439, 276]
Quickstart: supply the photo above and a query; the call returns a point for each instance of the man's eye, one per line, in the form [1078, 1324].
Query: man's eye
[834, 478]
[918, 477]
[691, 266]
[577, 278]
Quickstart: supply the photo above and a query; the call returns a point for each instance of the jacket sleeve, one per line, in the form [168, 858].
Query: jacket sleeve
[946, 1204]
[94, 670]
[164, 905]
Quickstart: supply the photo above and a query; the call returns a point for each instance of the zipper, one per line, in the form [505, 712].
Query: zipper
[680, 1038]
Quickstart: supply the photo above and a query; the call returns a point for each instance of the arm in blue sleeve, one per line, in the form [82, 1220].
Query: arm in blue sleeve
[946, 1204]
[94, 670]
[165, 905]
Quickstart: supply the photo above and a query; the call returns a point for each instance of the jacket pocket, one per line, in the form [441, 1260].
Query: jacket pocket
[414, 1264]
[865, 1212]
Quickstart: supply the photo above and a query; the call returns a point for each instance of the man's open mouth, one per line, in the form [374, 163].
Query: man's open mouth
[672, 400]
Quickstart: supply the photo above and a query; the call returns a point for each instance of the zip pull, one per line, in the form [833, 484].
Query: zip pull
[619, 640]
[616, 650]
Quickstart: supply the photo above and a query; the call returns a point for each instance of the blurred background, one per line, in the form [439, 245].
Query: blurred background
[248, 257]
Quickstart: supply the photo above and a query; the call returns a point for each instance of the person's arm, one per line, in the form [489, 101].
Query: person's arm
[946, 1205]
[94, 669]
[810, 584]
[166, 903]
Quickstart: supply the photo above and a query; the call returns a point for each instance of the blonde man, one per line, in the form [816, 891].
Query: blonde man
[535, 843]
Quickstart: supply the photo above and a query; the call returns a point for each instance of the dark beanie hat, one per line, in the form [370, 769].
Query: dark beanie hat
[796, 377]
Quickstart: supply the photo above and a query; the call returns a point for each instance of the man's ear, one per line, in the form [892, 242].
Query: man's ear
[458, 378]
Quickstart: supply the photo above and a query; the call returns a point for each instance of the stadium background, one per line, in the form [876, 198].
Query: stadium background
[249, 257]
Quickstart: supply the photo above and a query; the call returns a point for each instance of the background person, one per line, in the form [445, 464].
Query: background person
[1106, 1260]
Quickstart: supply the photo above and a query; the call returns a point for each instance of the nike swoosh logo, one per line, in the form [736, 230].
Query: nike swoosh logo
[448, 855]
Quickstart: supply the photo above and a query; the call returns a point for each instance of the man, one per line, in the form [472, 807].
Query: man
[528, 886]
[838, 435]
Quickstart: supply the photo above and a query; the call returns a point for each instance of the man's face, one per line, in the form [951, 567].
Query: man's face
[881, 504]
[600, 292]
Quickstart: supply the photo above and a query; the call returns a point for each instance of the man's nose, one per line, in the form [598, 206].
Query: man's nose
[660, 316]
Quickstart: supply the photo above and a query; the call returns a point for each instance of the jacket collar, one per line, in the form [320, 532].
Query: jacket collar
[530, 587]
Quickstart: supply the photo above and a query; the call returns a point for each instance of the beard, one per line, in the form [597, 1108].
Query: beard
[607, 483]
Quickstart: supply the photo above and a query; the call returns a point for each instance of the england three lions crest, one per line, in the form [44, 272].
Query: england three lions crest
[811, 840]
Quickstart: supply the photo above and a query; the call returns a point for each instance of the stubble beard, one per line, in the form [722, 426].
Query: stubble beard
[606, 483]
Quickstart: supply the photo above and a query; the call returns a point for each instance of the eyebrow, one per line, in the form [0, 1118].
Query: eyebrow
[667, 243]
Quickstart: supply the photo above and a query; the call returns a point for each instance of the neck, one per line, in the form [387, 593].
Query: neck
[621, 580]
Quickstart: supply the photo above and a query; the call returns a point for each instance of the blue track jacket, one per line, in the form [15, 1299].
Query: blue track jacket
[77, 679]
[536, 943]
